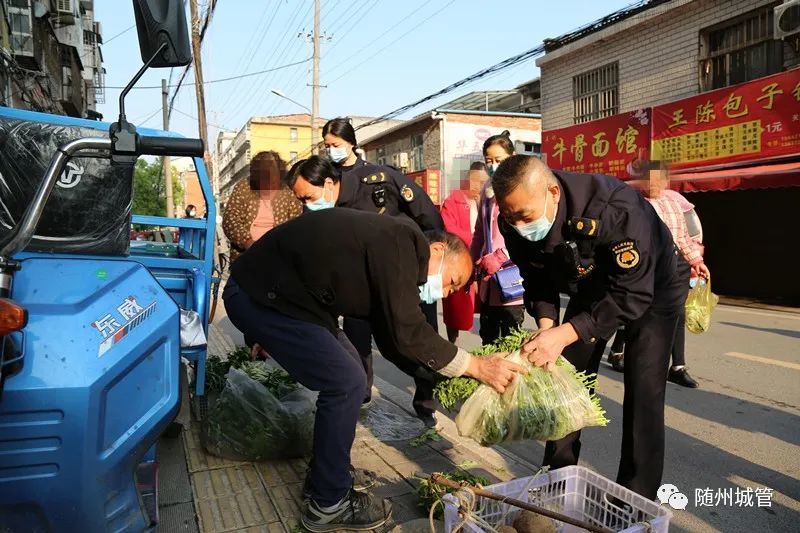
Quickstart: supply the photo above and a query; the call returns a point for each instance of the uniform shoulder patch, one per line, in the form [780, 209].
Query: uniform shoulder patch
[407, 193]
[626, 254]
[584, 227]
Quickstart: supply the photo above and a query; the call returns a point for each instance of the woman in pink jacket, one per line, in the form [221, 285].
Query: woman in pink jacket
[460, 212]
[498, 318]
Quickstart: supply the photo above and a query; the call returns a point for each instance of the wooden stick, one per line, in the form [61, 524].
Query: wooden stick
[439, 480]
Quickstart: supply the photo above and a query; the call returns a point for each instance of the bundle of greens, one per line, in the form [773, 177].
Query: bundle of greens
[542, 405]
[217, 367]
[428, 493]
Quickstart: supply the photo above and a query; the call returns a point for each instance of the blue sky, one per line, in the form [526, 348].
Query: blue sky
[381, 54]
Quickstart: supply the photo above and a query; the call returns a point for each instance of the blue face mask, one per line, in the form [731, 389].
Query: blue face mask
[491, 169]
[321, 203]
[538, 229]
[433, 289]
[337, 153]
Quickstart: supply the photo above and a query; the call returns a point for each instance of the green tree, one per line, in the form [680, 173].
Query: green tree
[149, 194]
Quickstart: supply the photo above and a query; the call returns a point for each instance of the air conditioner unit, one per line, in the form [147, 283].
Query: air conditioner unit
[400, 160]
[787, 19]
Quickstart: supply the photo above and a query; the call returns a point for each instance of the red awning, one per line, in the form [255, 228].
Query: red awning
[737, 179]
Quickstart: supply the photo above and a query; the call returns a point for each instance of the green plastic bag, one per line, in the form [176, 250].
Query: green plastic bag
[699, 305]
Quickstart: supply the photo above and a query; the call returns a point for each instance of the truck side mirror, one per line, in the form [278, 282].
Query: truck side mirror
[162, 22]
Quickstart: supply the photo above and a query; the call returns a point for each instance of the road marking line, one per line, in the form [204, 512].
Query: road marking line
[747, 311]
[765, 360]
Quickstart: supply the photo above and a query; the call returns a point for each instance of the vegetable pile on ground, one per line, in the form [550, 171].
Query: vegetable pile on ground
[542, 405]
[261, 412]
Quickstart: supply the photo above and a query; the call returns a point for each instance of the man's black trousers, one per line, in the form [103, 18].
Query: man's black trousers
[320, 361]
[360, 334]
[647, 352]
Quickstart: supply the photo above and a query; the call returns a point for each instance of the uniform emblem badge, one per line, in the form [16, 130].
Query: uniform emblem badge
[626, 254]
[407, 193]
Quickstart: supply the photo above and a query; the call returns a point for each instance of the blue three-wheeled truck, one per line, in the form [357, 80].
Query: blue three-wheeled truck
[90, 323]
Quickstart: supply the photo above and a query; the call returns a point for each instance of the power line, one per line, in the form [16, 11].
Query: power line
[149, 118]
[220, 80]
[381, 35]
[354, 23]
[423, 21]
[206, 22]
[243, 104]
[511, 61]
[123, 32]
[264, 33]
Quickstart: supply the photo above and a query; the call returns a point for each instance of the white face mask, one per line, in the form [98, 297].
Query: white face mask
[538, 229]
[433, 289]
[338, 153]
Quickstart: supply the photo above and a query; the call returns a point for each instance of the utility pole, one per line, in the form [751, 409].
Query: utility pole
[167, 170]
[198, 84]
[315, 82]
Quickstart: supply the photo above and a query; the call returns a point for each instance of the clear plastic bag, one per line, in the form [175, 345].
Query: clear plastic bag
[542, 405]
[699, 306]
[249, 423]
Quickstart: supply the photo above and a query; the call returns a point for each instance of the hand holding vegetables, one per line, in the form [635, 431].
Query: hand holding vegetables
[536, 404]
[545, 348]
[494, 371]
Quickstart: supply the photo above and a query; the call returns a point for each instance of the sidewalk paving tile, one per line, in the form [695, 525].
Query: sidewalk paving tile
[277, 473]
[229, 481]
[196, 456]
[273, 527]
[238, 511]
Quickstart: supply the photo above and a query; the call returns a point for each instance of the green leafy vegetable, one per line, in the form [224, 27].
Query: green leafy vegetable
[431, 435]
[541, 405]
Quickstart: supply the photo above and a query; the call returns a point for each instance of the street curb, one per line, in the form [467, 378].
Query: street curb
[495, 456]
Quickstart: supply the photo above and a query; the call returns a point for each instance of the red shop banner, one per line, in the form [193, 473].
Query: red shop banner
[751, 121]
[602, 146]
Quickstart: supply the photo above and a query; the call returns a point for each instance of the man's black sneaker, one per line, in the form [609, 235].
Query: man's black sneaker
[362, 480]
[430, 421]
[680, 376]
[358, 511]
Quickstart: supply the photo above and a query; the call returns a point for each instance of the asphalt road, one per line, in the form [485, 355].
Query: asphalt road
[740, 429]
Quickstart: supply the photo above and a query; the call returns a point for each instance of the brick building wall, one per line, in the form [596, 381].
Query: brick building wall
[658, 52]
[400, 140]
[463, 138]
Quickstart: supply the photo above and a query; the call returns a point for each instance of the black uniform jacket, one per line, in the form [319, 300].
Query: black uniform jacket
[607, 249]
[387, 191]
[343, 262]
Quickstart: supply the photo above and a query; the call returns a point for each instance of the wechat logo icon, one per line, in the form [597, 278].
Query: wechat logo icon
[669, 494]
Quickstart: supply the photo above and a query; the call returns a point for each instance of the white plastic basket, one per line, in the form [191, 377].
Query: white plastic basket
[574, 491]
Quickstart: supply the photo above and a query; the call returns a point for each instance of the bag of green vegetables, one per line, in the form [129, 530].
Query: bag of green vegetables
[261, 414]
[542, 405]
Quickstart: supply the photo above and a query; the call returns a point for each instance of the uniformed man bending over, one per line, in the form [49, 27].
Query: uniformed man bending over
[287, 292]
[319, 184]
[598, 240]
